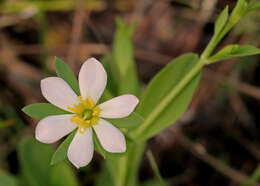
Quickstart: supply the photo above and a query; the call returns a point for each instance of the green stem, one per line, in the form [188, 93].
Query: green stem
[122, 171]
[137, 134]
[215, 41]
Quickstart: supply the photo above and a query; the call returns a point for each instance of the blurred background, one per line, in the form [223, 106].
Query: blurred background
[216, 142]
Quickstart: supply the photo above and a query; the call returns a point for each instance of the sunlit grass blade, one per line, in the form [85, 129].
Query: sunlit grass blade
[155, 168]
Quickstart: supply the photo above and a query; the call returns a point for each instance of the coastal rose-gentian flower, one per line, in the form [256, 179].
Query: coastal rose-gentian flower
[85, 115]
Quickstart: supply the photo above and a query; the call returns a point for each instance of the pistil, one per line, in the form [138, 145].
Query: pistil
[86, 114]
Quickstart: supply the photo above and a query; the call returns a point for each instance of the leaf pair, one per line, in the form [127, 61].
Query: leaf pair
[223, 24]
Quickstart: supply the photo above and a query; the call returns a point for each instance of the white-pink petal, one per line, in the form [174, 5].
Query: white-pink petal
[92, 79]
[53, 128]
[118, 107]
[111, 138]
[81, 149]
[58, 92]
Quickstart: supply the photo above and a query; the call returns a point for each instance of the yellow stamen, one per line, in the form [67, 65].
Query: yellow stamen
[86, 114]
[96, 111]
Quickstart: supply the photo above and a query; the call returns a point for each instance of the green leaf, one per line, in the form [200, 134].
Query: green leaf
[61, 174]
[124, 169]
[34, 161]
[158, 89]
[221, 21]
[7, 179]
[34, 158]
[132, 121]
[42, 110]
[64, 72]
[232, 51]
[111, 88]
[123, 64]
[238, 12]
[61, 153]
[111, 83]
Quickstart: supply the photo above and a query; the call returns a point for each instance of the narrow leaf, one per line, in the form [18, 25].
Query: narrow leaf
[155, 168]
[64, 72]
[42, 110]
[123, 64]
[157, 91]
[221, 21]
[132, 121]
[61, 153]
[238, 12]
[232, 51]
[107, 61]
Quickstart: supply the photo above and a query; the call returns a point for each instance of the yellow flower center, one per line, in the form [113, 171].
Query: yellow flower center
[86, 114]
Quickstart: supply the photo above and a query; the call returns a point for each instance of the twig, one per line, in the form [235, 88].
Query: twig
[19, 76]
[76, 33]
[240, 86]
[240, 109]
[200, 152]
